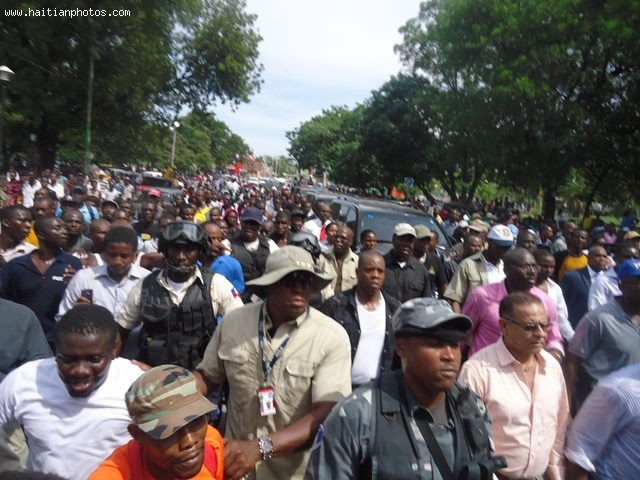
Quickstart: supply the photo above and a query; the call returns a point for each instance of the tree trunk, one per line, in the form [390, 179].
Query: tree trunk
[592, 194]
[549, 202]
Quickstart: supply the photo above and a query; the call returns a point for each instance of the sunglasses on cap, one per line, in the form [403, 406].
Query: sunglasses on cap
[302, 279]
[190, 231]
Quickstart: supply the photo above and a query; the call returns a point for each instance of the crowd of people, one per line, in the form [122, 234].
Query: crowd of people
[234, 331]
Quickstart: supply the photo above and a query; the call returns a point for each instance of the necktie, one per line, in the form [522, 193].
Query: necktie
[323, 234]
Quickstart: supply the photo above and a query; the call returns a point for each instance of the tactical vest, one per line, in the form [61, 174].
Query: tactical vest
[175, 334]
[253, 263]
[392, 453]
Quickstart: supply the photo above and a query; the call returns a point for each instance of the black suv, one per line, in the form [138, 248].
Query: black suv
[381, 217]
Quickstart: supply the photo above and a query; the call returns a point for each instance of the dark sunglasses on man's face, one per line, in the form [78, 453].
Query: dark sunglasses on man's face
[302, 279]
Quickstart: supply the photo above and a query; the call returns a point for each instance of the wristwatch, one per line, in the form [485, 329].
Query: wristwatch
[266, 447]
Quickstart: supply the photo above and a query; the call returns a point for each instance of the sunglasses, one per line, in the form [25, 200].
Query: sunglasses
[302, 279]
[188, 230]
[529, 327]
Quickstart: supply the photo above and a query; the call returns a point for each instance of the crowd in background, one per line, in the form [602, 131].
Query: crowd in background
[206, 255]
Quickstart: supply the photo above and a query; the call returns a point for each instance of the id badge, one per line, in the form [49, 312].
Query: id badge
[267, 401]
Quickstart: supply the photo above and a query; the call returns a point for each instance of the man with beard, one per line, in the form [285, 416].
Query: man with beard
[16, 223]
[177, 305]
[73, 402]
[405, 277]
[482, 304]
[38, 280]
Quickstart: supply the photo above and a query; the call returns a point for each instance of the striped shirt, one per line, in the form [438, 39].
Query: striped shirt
[604, 435]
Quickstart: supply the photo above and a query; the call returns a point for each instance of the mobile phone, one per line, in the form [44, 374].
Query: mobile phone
[87, 293]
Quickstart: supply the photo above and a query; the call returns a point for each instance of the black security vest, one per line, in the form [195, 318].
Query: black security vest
[392, 453]
[175, 334]
[253, 263]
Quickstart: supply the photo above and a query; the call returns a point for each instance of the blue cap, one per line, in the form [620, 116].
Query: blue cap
[252, 214]
[629, 268]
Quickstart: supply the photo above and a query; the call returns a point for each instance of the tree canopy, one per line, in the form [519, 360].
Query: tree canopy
[150, 65]
[525, 93]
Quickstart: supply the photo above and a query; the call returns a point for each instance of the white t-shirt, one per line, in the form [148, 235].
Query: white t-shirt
[366, 363]
[67, 436]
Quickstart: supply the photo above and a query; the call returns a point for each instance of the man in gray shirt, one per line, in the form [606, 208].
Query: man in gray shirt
[606, 338]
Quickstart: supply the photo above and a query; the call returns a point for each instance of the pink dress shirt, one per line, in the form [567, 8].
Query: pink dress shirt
[482, 305]
[528, 426]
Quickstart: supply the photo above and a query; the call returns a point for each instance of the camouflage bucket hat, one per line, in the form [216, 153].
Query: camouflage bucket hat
[164, 399]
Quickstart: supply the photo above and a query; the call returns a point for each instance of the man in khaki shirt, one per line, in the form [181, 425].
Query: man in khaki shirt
[481, 268]
[286, 364]
[342, 261]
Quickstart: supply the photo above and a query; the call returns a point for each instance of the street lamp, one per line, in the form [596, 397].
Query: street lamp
[174, 129]
[6, 74]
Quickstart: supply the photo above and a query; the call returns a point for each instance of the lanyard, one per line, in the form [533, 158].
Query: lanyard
[267, 367]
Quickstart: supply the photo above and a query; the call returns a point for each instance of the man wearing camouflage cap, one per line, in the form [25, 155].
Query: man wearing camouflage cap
[171, 438]
[416, 422]
[286, 364]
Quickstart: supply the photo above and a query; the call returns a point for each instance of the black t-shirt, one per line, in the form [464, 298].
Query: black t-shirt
[146, 232]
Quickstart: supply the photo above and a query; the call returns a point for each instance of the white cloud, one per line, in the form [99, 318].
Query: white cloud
[317, 54]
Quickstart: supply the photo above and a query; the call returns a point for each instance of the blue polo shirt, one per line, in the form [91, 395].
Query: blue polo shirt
[230, 268]
[22, 282]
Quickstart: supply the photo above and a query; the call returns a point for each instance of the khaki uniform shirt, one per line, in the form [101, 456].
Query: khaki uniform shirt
[471, 273]
[349, 265]
[315, 366]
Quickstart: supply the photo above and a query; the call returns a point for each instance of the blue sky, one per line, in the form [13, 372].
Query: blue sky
[315, 55]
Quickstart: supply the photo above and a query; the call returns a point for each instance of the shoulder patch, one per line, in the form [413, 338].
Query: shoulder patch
[318, 440]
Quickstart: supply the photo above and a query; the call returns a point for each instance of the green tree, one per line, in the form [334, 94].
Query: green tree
[332, 142]
[149, 65]
[555, 78]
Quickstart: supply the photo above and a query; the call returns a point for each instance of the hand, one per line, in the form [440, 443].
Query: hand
[240, 458]
[83, 301]
[69, 272]
[143, 366]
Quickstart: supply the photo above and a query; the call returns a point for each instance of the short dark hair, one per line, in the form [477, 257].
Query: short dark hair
[11, 210]
[87, 319]
[122, 234]
[542, 253]
[41, 224]
[517, 299]
[72, 210]
[365, 232]
[368, 253]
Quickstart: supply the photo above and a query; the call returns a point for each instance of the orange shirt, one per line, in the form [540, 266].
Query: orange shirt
[117, 466]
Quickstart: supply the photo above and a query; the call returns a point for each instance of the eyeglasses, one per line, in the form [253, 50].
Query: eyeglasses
[529, 327]
[189, 230]
[302, 279]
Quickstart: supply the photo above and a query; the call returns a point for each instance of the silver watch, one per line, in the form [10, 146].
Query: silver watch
[266, 447]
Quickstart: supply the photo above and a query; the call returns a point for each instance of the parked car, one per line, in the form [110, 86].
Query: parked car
[381, 217]
[154, 183]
